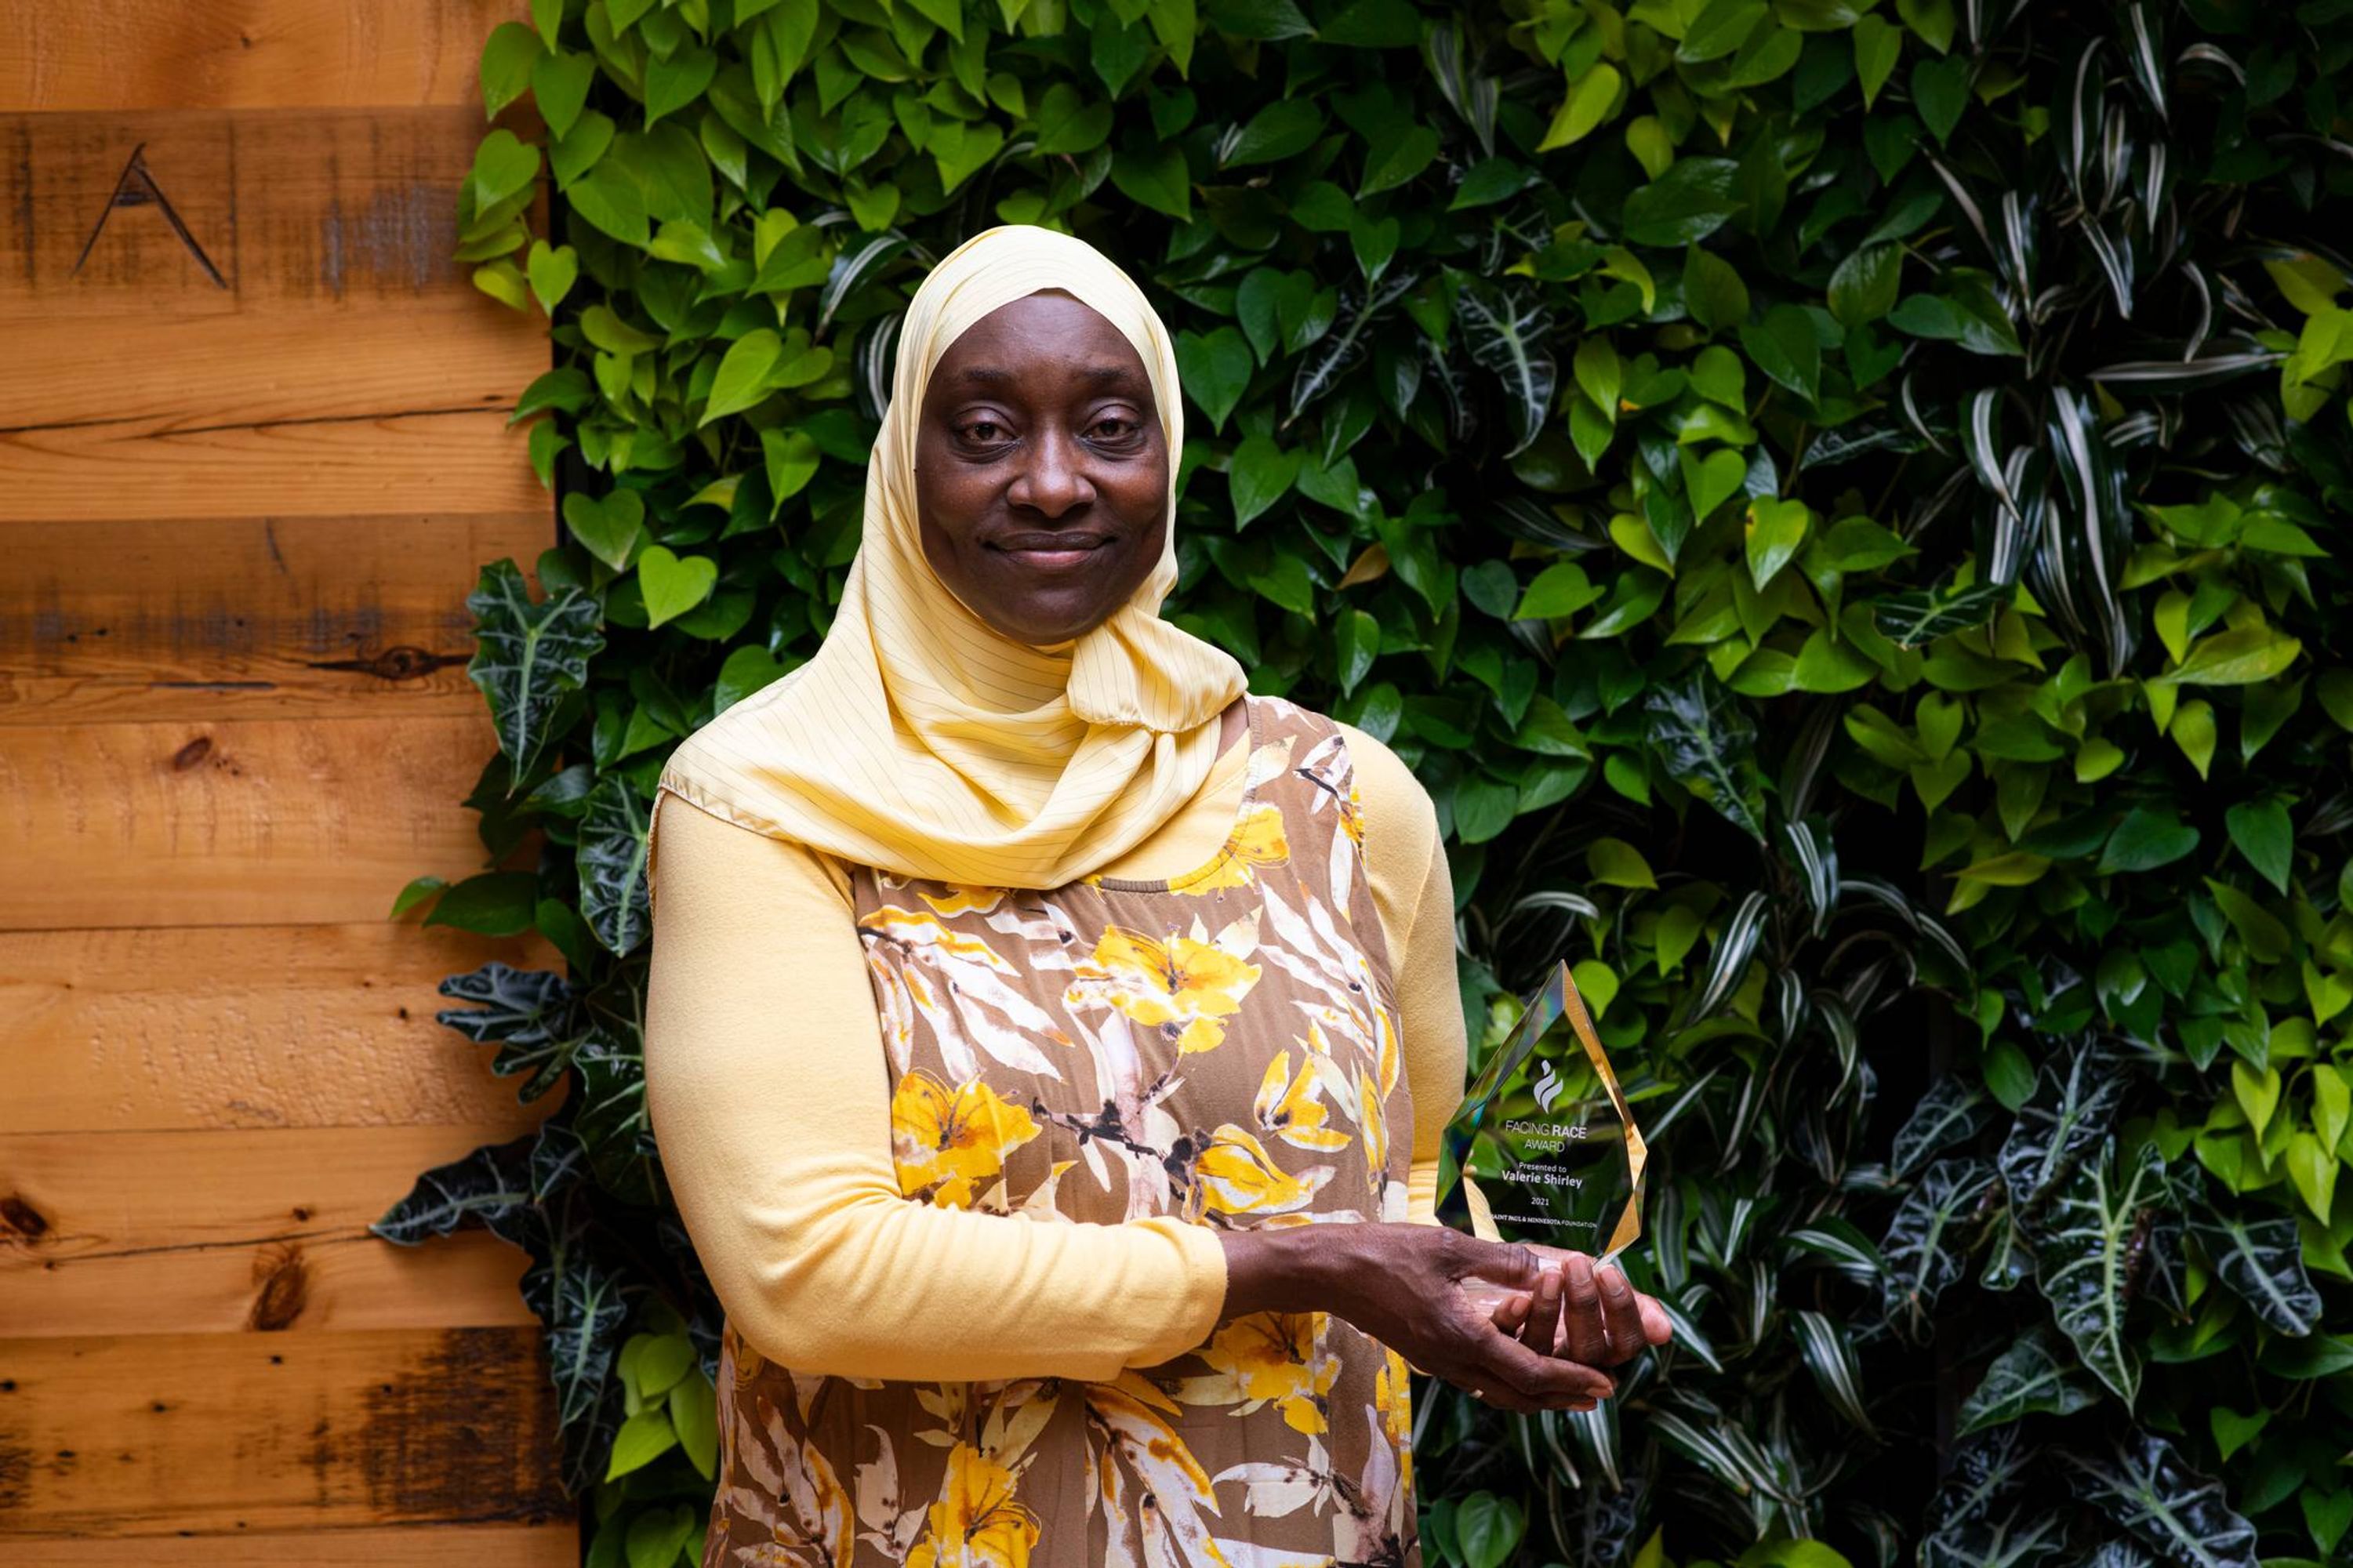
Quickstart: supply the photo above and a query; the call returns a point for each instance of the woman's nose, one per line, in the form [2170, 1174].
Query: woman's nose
[1052, 481]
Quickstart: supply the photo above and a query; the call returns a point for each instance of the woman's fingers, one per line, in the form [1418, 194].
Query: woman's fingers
[1622, 1315]
[1542, 1328]
[1657, 1327]
[1587, 1338]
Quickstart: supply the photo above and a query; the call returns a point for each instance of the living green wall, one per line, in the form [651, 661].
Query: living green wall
[1842, 503]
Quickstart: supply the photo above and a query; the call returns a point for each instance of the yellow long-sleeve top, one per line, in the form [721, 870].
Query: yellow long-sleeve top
[768, 1090]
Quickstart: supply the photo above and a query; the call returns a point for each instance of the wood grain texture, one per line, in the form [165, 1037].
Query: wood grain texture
[247, 617]
[247, 822]
[133, 1436]
[402, 1548]
[414, 1546]
[277, 415]
[218, 213]
[251, 1027]
[158, 1233]
[241, 54]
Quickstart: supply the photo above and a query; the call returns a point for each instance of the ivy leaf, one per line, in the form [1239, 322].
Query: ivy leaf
[1784, 348]
[1877, 45]
[508, 55]
[2235, 659]
[1068, 123]
[1940, 91]
[553, 272]
[1216, 368]
[671, 584]
[504, 164]
[1776, 529]
[1281, 130]
[609, 527]
[2261, 831]
[2144, 839]
[1261, 474]
[1689, 202]
[744, 375]
[1588, 102]
[559, 85]
[1159, 180]
[1359, 641]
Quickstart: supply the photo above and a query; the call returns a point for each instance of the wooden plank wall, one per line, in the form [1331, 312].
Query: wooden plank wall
[253, 448]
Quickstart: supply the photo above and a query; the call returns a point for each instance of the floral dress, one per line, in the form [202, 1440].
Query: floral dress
[1221, 1046]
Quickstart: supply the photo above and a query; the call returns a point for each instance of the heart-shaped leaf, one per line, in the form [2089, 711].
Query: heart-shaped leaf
[553, 273]
[792, 459]
[673, 584]
[743, 372]
[1776, 529]
[1261, 474]
[1216, 367]
[609, 528]
[1712, 481]
[504, 165]
[559, 85]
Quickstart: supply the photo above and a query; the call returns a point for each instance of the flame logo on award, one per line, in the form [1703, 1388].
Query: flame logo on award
[1547, 1087]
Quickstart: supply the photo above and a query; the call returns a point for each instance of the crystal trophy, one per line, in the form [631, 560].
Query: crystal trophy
[1551, 1156]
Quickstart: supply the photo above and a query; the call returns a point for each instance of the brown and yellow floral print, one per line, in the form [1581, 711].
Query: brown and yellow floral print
[1221, 1046]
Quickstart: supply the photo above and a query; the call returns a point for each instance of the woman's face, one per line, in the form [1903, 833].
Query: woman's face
[1041, 471]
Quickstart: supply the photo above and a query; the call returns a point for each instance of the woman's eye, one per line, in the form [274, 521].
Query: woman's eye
[1115, 429]
[984, 432]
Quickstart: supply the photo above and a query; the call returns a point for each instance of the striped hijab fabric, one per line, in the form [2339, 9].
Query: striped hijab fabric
[921, 740]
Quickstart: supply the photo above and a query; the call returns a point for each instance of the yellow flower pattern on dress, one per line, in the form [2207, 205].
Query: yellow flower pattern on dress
[1258, 842]
[976, 1523]
[947, 1141]
[1277, 1357]
[1221, 1047]
[1185, 986]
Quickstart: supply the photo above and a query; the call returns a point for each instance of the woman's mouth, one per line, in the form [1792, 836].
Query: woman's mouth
[1051, 552]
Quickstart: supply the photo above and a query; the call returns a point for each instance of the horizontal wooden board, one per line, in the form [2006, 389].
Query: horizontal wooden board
[321, 413]
[236, 54]
[245, 822]
[155, 1435]
[247, 617]
[215, 213]
[432, 461]
[147, 1233]
[409, 1546]
[248, 1027]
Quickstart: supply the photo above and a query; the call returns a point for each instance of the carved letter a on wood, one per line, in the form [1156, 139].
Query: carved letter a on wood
[136, 188]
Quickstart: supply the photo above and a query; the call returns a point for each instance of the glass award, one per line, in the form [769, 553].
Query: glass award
[1550, 1155]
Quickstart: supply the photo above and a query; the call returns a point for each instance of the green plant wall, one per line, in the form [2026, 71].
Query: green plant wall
[1842, 503]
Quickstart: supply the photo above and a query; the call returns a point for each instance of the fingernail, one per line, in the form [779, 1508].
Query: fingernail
[1613, 1280]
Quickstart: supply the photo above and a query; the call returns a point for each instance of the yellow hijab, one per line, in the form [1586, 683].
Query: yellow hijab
[922, 740]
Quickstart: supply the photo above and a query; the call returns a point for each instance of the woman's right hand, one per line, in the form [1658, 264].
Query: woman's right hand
[1404, 1284]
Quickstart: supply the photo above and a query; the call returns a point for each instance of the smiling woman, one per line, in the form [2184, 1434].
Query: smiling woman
[1047, 1041]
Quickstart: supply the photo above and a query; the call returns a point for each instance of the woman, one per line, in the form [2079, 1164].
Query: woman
[1047, 1043]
